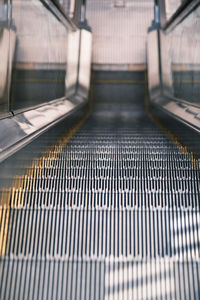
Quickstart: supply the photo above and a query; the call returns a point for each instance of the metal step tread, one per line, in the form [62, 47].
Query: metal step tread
[114, 215]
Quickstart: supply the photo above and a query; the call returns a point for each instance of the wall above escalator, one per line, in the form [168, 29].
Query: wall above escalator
[119, 32]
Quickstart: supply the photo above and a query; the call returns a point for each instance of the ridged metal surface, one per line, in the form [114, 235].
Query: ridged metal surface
[113, 215]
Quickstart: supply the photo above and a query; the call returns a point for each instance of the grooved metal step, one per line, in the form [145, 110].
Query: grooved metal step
[113, 215]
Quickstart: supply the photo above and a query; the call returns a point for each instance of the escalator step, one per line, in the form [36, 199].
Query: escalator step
[114, 215]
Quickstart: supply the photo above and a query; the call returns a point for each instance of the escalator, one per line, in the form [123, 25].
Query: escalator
[109, 211]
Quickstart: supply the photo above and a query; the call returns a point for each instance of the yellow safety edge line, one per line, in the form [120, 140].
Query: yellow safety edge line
[188, 153]
[14, 197]
[39, 80]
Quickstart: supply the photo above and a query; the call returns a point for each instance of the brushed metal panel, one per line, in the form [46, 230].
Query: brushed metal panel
[153, 64]
[84, 63]
[72, 63]
[17, 131]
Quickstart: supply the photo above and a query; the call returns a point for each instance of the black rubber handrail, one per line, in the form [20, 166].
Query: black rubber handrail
[181, 13]
[55, 7]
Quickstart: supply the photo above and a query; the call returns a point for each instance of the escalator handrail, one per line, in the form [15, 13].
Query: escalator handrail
[186, 7]
[57, 10]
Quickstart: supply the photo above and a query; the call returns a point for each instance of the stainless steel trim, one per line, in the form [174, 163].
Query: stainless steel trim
[72, 63]
[85, 59]
[154, 82]
[21, 127]
[19, 130]
[165, 64]
[7, 51]
[182, 111]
